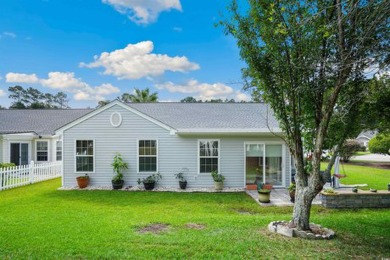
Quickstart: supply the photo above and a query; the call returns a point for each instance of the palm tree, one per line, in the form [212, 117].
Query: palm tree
[140, 96]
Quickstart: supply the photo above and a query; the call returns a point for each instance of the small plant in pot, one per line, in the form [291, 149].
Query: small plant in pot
[82, 181]
[218, 180]
[291, 190]
[264, 195]
[150, 181]
[118, 165]
[182, 180]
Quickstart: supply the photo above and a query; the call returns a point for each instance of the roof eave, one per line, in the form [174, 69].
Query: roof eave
[230, 131]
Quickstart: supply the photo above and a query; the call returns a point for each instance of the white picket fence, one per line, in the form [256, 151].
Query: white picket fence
[12, 177]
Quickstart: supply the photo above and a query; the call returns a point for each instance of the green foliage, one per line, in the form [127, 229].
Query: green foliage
[264, 191]
[349, 148]
[6, 165]
[330, 191]
[52, 224]
[154, 178]
[380, 144]
[217, 177]
[292, 187]
[32, 98]
[118, 165]
[180, 176]
[140, 96]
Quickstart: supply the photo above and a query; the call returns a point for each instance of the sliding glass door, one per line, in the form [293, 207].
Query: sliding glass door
[264, 163]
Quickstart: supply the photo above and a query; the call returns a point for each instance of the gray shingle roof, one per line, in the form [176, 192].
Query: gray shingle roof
[209, 115]
[39, 121]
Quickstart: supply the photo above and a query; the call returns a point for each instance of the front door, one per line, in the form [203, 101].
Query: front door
[19, 153]
[264, 163]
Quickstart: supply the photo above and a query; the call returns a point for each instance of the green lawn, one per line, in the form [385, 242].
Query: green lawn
[361, 153]
[39, 222]
[375, 178]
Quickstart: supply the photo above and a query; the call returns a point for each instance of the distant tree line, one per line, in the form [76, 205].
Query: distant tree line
[32, 98]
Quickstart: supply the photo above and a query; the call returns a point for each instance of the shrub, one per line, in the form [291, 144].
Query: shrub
[348, 149]
[380, 144]
[5, 165]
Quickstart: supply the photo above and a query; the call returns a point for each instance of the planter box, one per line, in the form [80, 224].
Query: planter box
[361, 199]
[251, 187]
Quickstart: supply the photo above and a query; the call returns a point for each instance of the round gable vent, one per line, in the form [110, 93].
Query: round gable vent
[116, 119]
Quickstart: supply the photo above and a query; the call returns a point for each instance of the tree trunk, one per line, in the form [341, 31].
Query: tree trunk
[302, 206]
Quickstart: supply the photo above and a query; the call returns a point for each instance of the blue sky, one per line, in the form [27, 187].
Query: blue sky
[98, 49]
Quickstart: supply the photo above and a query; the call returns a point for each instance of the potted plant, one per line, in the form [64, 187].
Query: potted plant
[264, 195]
[182, 180]
[150, 181]
[291, 190]
[82, 181]
[218, 180]
[118, 165]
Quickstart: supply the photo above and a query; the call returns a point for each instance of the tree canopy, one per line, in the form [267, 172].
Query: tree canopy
[308, 61]
[140, 96]
[32, 98]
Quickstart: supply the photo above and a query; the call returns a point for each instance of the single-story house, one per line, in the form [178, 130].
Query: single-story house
[364, 137]
[240, 140]
[29, 134]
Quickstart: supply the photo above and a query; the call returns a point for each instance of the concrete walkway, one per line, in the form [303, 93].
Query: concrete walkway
[372, 158]
[279, 197]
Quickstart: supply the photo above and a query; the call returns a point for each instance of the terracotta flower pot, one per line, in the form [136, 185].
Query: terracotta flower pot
[82, 181]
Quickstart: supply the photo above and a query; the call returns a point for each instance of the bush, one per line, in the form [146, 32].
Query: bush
[348, 149]
[380, 144]
[5, 165]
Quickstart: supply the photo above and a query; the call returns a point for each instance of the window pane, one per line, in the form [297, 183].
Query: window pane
[84, 164]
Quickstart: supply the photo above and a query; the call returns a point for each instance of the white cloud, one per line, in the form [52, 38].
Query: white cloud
[143, 11]
[205, 91]
[2, 93]
[67, 82]
[21, 77]
[136, 61]
[9, 34]
[62, 81]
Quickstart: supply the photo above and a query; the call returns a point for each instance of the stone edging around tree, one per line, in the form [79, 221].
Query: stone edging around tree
[317, 233]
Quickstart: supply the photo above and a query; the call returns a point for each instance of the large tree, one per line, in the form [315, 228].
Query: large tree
[308, 58]
[140, 96]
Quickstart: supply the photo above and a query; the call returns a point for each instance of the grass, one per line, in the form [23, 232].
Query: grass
[361, 153]
[374, 177]
[39, 222]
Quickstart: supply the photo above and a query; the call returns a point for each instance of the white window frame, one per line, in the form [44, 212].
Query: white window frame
[283, 159]
[218, 157]
[138, 155]
[36, 150]
[93, 156]
[59, 141]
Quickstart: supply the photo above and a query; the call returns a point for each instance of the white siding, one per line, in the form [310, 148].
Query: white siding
[1, 150]
[174, 152]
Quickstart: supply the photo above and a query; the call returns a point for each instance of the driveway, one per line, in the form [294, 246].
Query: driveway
[372, 158]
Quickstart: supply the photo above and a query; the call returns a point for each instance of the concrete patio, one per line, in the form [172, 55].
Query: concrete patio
[279, 197]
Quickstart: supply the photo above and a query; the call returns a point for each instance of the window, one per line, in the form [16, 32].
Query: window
[59, 150]
[208, 155]
[84, 156]
[42, 151]
[147, 156]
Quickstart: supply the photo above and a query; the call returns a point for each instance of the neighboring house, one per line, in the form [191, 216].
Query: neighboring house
[29, 134]
[365, 136]
[240, 140]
